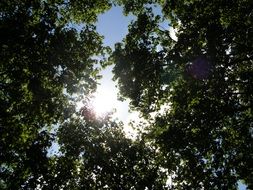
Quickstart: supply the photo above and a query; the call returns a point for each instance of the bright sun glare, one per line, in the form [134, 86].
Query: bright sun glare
[105, 100]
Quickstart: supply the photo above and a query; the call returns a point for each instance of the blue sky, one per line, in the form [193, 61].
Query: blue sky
[113, 25]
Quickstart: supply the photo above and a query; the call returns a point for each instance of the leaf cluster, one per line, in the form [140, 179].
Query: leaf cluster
[205, 77]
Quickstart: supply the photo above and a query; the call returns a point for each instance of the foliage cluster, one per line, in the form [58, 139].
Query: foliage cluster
[204, 79]
[205, 76]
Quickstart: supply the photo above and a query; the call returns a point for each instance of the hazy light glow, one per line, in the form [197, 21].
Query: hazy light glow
[105, 100]
[173, 33]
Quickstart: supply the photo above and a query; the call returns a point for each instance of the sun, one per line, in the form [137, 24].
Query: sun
[104, 101]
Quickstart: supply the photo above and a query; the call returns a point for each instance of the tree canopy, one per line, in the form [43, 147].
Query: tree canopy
[43, 61]
[204, 78]
[103, 158]
[195, 92]
[48, 57]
